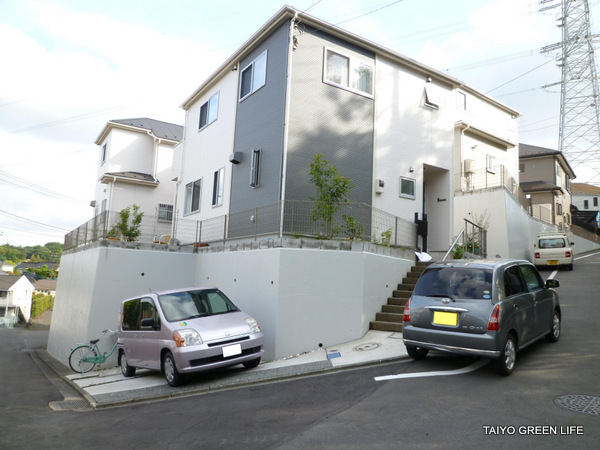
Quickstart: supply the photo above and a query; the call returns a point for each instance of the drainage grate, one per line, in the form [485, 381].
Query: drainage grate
[69, 405]
[367, 346]
[586, 404]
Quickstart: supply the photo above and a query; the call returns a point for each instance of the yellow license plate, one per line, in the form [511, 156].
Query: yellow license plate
[445, 318]
[553, 262]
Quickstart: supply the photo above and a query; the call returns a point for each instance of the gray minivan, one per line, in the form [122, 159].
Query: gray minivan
[186, 330]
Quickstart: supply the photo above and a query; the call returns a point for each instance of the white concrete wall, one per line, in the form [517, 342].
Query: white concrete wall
[301, 298]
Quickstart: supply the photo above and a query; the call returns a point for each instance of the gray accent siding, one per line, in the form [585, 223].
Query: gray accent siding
[329, 120]
[259, 125]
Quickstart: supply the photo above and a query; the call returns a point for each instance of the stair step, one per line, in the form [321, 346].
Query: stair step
[418, 269]
[402, 293]
[406, 287]
[386, 326]
[396, 309]
[413, 275]
[409, 281]
[389, 317]
[396, 301]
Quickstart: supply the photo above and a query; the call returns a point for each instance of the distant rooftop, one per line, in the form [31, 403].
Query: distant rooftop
[164, 130]
[584, 189]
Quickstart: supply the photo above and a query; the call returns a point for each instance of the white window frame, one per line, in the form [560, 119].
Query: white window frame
[350, 81]
[258, 75]
[218, 187]
[103, 153]
[489, 163]
[432, 96]
[461, 101]
[190, 190]
[408, 195]
[255, 167]
[212, 111]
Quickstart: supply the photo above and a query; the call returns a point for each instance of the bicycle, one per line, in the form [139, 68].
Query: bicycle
[84, 357]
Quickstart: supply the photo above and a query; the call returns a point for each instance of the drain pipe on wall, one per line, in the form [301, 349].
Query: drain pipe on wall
[291, 49]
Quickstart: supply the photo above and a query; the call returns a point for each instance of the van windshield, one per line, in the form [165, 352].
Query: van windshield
[455, 282]
[191, 304]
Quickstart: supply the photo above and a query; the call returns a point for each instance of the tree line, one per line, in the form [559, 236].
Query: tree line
[50, 252]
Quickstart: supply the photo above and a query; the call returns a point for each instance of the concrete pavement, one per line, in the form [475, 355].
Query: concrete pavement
[109, 388]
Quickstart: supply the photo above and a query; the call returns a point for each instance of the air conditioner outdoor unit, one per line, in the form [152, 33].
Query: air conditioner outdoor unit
[469, 165]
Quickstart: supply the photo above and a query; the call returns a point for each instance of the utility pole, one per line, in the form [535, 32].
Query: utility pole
[579, 132]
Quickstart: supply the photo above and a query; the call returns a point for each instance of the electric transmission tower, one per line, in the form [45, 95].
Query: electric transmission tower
[579, 133]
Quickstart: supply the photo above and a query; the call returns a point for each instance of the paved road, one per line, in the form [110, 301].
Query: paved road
[347, 409]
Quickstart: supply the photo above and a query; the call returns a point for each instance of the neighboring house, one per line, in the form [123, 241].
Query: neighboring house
[546, 179]
[135, 166]
[402, 132]
[6, 267]
[24, 267]
[46, 287]
[586, 197]
[15, 297]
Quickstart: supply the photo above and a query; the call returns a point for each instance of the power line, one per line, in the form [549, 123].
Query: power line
[370, 12]
[37, 188]
[23, 219]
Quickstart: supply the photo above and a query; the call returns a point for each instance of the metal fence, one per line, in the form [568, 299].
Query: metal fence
[354, 221]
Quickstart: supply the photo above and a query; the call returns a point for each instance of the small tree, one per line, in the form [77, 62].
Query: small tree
[130, 229]
[332, 191]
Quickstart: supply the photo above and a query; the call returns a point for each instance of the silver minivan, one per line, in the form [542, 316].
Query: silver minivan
[186, 330]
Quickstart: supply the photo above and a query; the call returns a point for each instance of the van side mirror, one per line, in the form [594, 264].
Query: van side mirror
[149, 323]
[552, 284]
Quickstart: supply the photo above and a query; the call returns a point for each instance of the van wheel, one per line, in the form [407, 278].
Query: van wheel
[126, 369]
[252, 364]
[174, 378]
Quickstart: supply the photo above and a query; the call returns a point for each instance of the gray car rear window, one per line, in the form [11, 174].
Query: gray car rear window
[455, 282]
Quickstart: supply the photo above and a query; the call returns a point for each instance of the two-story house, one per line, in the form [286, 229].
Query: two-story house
[299, 86]
[15, 299]
[585, 197]
[135, 167]
[546, 180]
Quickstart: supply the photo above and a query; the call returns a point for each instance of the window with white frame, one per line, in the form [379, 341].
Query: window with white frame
[208, 111]
[255, 168]
[349, 73]
[254, 76]
[407, 187]
[461, 101]
[489, 163]
[218, 187]
[432, 96]
[165, 212]
[103, 154]
[192, 196]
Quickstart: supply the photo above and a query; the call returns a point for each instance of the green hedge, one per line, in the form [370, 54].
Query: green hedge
[41, 303]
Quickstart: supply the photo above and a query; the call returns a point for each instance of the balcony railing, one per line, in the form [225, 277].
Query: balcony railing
[354, 221]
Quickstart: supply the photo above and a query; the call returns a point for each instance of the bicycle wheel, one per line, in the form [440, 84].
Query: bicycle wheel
[78, 359]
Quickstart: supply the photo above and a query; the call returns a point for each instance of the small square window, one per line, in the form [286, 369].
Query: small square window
[254, 76]
[407, 187]
[432, 96]
[208, 111]
[489, 163]
[348, 73]
[165, 212]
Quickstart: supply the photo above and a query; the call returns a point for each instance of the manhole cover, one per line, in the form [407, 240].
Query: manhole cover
[367, 346]
[585, 404]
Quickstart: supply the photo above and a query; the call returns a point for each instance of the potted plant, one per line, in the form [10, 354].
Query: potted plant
[130, 221]
[113, 234]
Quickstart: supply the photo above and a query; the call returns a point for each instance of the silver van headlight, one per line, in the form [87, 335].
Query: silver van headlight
[186, 337]
[253, 324]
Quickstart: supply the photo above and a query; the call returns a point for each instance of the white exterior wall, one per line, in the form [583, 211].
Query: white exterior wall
[578, 200]
[205, 151]
[300, 297]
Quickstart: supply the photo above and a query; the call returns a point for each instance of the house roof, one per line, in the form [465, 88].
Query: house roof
[45, 285]
[37, 265]
[288, 13]
[161, 130]
[129, 177]
[8, 281]
[584, 189]
[539, 186]
[532, 151]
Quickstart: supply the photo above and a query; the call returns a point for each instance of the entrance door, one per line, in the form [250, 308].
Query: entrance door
[437, 200]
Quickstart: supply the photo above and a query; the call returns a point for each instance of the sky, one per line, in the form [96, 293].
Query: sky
[70, 66]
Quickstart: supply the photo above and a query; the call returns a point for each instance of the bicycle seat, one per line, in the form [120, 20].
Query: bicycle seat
[94, 341]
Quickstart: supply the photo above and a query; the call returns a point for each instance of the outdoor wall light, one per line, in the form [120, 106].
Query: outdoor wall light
[411, 169]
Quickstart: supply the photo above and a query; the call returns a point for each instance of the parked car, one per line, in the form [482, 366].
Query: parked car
[483, 308]
[553, 249]
[184, 331]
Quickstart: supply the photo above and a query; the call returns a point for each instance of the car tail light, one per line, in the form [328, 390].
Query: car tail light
[567, 254]
[406, 316]
[494, 322]
[537, 255]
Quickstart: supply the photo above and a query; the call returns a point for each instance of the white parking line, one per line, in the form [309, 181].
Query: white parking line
[476, 365]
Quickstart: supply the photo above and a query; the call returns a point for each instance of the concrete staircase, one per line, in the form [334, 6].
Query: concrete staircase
[390, 317]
